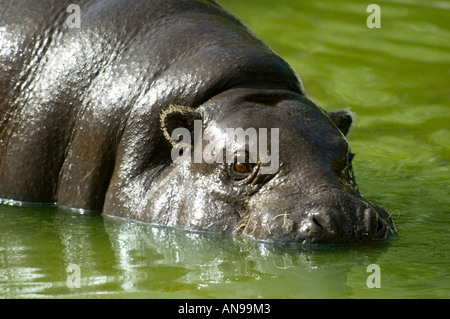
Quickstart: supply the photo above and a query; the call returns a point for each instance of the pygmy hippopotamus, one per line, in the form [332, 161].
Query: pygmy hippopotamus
[127, 107]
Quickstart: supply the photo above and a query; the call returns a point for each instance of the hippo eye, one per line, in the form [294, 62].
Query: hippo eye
[241, 168]
[240, 171]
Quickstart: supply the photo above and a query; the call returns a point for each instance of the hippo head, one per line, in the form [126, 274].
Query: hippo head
[299, 187]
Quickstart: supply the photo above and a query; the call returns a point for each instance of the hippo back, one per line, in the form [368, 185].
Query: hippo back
[79, 107]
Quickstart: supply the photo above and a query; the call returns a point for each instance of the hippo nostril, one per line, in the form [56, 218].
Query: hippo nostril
[322, 223]
[381, 227]
[375, 228]
[317, 222]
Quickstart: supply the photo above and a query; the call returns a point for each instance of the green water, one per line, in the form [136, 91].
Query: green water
[396, 78]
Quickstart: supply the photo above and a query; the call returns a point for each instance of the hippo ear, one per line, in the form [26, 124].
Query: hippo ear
[176, 116]
[343, 119]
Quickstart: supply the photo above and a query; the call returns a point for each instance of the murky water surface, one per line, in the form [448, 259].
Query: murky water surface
[396, 78]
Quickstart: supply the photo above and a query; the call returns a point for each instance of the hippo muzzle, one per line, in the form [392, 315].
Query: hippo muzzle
[330, 216]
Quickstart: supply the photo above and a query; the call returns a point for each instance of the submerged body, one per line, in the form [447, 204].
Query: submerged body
[86, 116]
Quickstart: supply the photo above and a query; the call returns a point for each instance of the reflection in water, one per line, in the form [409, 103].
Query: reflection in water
[122, 258]
[20, 249]
[86, 245]
[196, 264]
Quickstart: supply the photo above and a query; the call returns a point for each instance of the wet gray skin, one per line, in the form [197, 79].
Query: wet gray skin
[86, 116]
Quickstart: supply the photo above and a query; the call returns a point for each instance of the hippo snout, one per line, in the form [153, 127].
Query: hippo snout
[329, 217]
[334, 226]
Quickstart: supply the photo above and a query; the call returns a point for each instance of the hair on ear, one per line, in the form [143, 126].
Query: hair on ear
[176, 116]
[343, 119]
